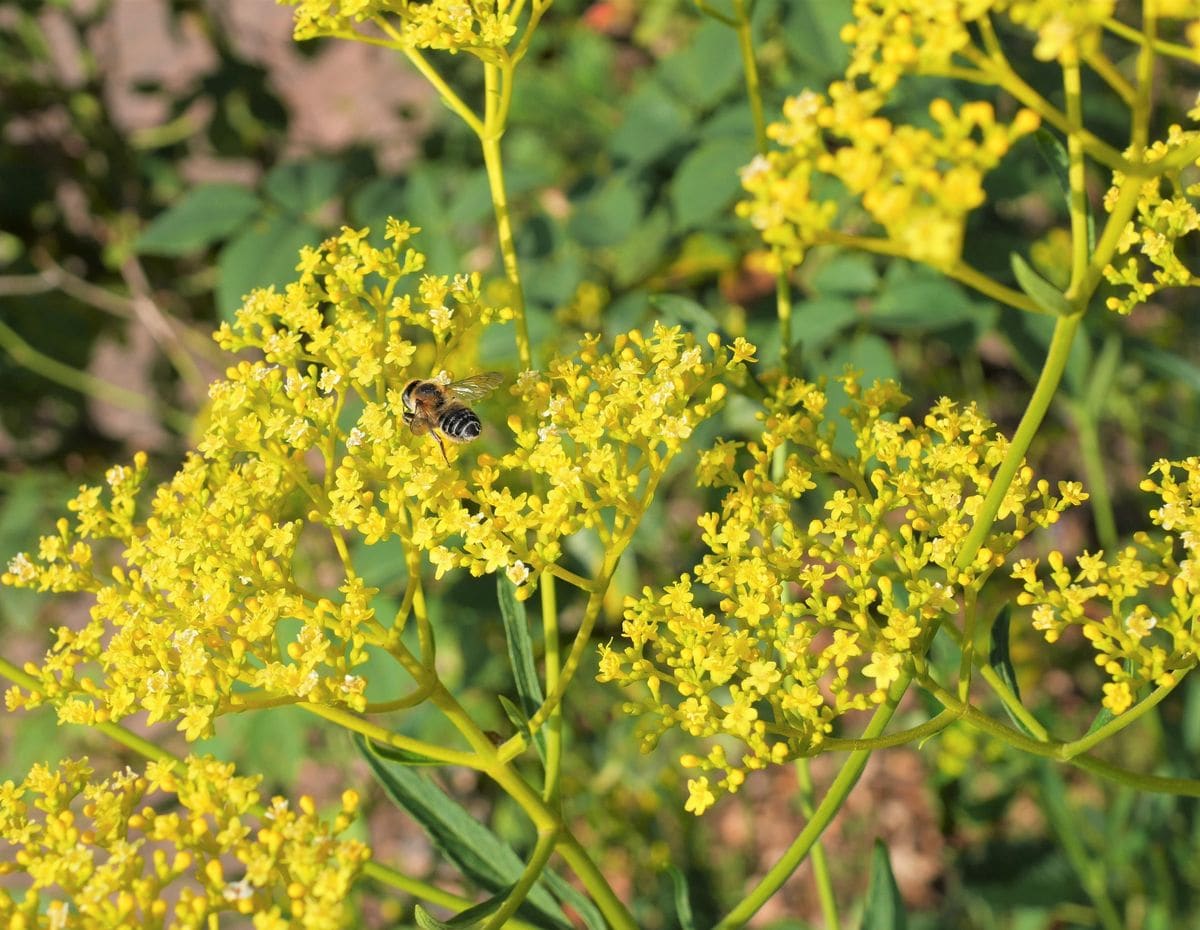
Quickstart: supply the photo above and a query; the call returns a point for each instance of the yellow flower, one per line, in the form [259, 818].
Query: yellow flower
[212, 856]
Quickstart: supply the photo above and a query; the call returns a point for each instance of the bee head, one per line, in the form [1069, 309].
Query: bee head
[406, 397]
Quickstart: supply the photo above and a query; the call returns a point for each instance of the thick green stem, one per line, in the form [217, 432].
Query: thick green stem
[821, 874]
[838, 791]
[554, 726]
[497, 80]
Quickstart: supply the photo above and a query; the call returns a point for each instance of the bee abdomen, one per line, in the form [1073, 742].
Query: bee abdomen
[460, 424]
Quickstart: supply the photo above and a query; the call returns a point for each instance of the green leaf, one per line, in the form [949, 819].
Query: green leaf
[520, 720]
[915, 299]
[1038, 289]
[884, 909]
[673, 308]
[520, 657]
[472, 917]
[205, 215]
[1001, 661]
[476, 850]
[644, 250]
[1059, 161]
[706, 70]
[815, 322]
[304, 186]
[846, 273]
[403, 756]
[608, 213]
[265, 254]
[683, 903]
[654, 122]
[579, 902]
[707, 181]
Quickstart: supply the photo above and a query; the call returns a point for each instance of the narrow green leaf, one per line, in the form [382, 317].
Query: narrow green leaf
[1001, 661]
[520, 721]
[473, 848]
[403, 756]
[575, 899]
[1059, 161]
[520, 655]
[206, 214]
[884, 908]
[683, 903]
[1038, 289]
[473, 916]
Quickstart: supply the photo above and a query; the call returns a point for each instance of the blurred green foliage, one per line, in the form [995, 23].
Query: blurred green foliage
[622, 167]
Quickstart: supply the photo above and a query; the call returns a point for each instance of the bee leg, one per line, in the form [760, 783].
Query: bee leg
[441, 445]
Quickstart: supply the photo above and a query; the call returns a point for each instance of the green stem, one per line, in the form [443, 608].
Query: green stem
[838, 791]
[820, 862]
[1065, 825]
[597, 885]
[496, 81]
[355, 724]
[913, 734]
[51, 369]
[1012, 702]
[1117, 724]
[1052, 371]
[533, 870]
[554, 726]
[1097, 477]
[1139, 37]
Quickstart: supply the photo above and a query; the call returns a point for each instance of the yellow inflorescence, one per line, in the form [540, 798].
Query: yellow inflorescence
[592, 435]
[311, 433]
[112, 853]
[1166, 213]
[917, 184]
[1107, 598]
[451, 25]
[790, 622]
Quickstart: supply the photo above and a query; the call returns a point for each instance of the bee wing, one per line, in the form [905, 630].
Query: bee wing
[476, 387]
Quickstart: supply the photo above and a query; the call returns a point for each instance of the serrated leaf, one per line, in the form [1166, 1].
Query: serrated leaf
[478, 852]
[884, 909]
[683, 902]
[473, 916]
[1038, 289]
[263, 255]
[303, 186]
[520, 657]
[206, 214]
[1059, 161]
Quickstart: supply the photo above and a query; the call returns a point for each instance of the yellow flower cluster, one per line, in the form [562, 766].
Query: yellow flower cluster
[891, 38]
[451, 25]
[790, 622]
[1138, 609]
[311, 434]
[592, 436]
[918, 184]
[1166, 213]
[113, 854]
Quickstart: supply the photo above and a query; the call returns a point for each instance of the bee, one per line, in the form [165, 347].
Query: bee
[433, 407]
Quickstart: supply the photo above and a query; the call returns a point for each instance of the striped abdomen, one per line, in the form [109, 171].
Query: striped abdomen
[459, 423]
